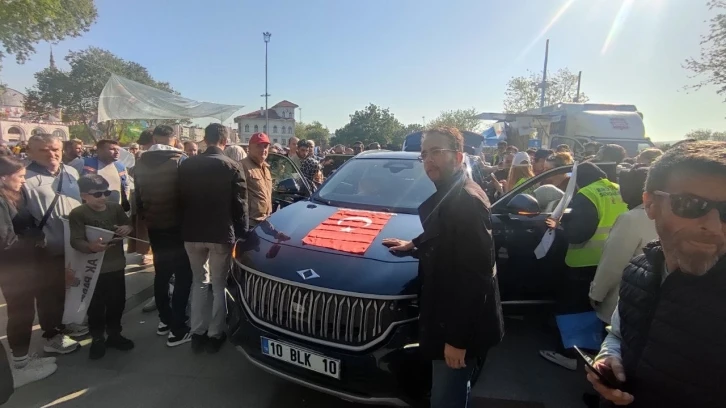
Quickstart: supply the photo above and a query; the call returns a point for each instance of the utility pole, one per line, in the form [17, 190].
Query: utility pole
[266, 36]
[300, 115]
[543, 85]
[579, 80]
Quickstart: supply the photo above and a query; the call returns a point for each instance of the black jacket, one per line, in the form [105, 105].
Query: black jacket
[583, 222]
[459, 297]
[673, 334]
[213, 195]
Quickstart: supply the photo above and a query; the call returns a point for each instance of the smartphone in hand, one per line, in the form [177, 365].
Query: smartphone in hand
[606, 377]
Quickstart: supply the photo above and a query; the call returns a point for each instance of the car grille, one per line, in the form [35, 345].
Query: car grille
[335, 317]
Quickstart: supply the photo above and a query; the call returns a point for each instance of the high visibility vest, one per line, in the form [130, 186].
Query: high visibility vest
[605, 195]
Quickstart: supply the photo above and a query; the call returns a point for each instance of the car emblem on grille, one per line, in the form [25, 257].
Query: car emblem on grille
[308, 274]
[297, 308]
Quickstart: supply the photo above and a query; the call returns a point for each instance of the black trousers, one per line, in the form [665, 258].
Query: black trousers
[18, 284]
[573, 296]
[50, 291]
[170, 259]
[107, 304]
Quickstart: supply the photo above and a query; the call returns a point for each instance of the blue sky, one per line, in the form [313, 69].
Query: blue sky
[415, 57]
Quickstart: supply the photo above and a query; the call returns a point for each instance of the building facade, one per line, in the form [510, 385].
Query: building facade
[281, 118]
[15, 125]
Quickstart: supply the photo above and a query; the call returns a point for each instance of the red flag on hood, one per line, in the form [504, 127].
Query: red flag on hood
[350, 231]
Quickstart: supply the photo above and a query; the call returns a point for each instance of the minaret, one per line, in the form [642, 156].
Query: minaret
[52, 60]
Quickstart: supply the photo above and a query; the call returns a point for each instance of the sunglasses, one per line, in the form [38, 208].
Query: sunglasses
[434, 153]
[692, 207]
[99, 194]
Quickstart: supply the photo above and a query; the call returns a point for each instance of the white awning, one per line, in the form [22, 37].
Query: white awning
[123, 98]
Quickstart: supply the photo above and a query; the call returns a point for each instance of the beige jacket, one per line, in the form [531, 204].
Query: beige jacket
[631, 232]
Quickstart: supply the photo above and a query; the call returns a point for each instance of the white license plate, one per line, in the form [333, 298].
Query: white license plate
[301, 357]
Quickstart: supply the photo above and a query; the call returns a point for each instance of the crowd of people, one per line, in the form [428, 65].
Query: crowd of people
[646, 241]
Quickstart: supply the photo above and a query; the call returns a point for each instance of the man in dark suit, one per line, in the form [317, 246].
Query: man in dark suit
[461, 314]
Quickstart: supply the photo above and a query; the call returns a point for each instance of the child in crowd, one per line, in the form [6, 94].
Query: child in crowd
[109, 298]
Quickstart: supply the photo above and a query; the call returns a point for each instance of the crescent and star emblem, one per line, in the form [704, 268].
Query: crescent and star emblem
[365, 220]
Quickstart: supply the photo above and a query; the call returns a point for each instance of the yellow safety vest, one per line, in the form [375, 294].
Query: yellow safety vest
[605, 195]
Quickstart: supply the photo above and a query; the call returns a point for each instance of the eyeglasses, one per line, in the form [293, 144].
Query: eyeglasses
[99, 194]
[692, 207]
[434, 153]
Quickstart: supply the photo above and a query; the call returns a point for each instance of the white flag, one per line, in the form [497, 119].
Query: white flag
[549, 236]
[85, 268]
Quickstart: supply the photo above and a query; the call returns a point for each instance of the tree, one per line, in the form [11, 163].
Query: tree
[369, 125]
[462, 119]
[24, 23]
[523, 93]
[712, 62]
[301, 131]
[313, 131]
[76, 92]
[706, 134]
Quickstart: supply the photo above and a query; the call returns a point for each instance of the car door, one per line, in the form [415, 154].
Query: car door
[288, 185]
[524, 279]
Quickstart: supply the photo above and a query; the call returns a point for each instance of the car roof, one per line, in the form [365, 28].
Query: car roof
[385, 154]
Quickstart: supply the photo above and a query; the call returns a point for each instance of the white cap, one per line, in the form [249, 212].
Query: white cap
[520, 159]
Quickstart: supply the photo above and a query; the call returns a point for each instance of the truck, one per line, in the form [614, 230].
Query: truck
[576, 124]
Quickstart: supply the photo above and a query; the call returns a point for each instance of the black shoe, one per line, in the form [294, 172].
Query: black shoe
[119, 342]
[198, 342]
[215, 343]
[175, 340]
[98, 348]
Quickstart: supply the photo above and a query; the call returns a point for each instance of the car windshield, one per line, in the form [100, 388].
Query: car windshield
[396, 185]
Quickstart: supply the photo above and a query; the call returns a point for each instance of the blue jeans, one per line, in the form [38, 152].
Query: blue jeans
[451, 388]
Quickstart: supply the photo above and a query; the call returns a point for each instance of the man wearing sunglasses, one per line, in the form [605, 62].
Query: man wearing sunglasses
[461, 317]
[666, 342]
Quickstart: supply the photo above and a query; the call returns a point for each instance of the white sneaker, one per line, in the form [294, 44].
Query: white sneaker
[162, 329]
[150, 306]
[32, 373]
[60, 344]
[75, 330]
[559, 359]
[33, 360]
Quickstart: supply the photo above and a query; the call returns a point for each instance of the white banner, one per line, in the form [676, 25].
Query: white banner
[85, 268]
[549, 236]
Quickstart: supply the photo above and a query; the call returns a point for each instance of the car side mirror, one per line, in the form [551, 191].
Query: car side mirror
[289, 186]
[523, 204]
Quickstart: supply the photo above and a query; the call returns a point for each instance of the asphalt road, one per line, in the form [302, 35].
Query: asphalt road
[153, 375]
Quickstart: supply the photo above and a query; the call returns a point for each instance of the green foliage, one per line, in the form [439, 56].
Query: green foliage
[462, 119]
[706, 134]
[313, 131]
[371, 124]
[24, 23]
[523, 93]
[712, 62]
[76, 91]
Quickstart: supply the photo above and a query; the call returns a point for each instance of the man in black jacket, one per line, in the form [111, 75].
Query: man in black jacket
[214, 203]
[461, 315]
[666, 341]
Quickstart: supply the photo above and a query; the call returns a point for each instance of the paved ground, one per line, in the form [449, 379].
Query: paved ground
[153, 375]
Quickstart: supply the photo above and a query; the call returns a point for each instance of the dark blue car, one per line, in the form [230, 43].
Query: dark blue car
[346, 324]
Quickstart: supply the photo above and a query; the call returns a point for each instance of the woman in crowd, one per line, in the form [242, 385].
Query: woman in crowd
[559, 160]
[18, 237]
[631, 232]
[520, 172]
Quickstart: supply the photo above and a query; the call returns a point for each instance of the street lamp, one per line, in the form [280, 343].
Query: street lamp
[266, 36]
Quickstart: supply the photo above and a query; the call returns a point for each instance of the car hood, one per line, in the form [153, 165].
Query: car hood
[377, 272]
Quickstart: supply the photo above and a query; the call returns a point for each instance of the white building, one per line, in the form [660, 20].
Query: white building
[15, 125]
[282, 123]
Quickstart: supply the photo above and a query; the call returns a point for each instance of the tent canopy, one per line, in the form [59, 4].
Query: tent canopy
[123, 98]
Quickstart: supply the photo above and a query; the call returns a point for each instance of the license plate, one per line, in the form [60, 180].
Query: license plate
[301, 357]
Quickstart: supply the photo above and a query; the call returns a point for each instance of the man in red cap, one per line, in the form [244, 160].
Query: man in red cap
[259, 179]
